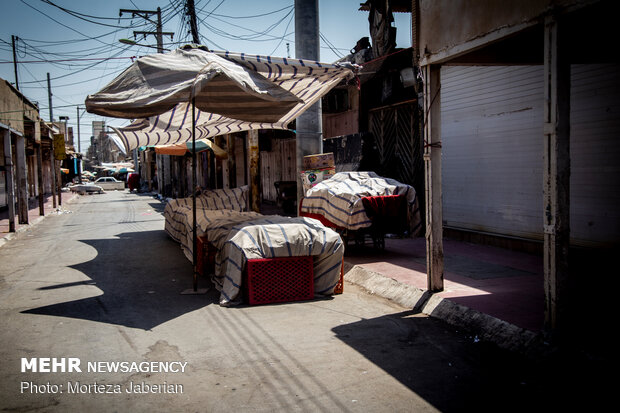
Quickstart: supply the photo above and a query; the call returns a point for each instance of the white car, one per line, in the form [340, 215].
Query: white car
[109, 183]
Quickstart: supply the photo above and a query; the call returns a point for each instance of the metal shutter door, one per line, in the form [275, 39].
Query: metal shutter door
[491, 128]
[595, 154]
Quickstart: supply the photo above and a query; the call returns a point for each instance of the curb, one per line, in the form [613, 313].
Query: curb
[485, 327]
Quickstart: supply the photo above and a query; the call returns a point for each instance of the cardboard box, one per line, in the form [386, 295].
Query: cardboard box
[312, 177]
[319, 161]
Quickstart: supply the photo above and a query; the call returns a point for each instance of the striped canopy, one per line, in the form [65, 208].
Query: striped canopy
[180, 149]
[233, 92]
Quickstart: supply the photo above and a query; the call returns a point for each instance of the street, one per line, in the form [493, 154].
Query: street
[99, 286]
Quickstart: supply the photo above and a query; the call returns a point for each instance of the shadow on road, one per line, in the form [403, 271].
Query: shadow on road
[454, 371]
[450, 370]
[141, 275]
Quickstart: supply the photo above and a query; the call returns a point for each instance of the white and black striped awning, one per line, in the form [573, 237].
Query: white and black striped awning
[233, 92]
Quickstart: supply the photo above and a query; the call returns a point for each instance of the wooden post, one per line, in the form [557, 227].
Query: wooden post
[21, 180]
[254, 177]
[556, 176]
[10, 186]
[167, 176]
[59, 182]
[159, 173]
[53, 175]
[221, 165]
[432, 173]
[148, 161]
[232, 161]
[40, 185]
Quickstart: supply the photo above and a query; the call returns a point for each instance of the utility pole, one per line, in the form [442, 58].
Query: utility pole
[53, 157]
[191, 12]
[309, 125]
[145, 14]
[49, 97]
[164, 160]
[13, 39]
[78, 130]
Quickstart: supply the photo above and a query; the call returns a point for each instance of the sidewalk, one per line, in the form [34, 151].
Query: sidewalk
[33, 215]
[495, 293]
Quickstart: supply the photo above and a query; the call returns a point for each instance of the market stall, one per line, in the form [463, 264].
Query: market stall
[363, 203]
[236, 237]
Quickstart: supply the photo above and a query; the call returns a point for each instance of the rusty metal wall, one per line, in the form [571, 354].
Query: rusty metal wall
[397, 139]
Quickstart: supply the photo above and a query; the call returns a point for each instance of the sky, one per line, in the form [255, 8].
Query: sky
[77, 42]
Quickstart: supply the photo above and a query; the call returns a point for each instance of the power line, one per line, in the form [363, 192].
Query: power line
[330, 46]
[82, 16]
[255, 36]
[81, 70]
[280, 42]
[253, 16]
[71, 60]
[62, 24]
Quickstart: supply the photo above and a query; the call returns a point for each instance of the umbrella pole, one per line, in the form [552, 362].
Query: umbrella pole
[195, 290]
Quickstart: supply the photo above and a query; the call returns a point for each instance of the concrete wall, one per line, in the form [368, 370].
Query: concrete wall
[449, 28]
[13, 109]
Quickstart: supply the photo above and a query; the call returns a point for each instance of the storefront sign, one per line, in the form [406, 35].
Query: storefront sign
[59, 146]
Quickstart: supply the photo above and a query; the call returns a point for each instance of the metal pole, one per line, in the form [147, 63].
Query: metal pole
[195, 290]
[194, 226]
[13, 38]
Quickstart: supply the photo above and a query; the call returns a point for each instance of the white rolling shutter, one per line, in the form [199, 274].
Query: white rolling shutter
[491, 132]
[595, 154]
[492, 143]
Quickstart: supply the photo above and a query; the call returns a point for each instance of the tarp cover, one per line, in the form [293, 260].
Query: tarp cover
[339, 199]
[235, 199]
[234, 92]
[180, 149]
[240, 236]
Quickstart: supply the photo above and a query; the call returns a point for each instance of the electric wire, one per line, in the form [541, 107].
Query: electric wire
[81, 16]
[72, 62]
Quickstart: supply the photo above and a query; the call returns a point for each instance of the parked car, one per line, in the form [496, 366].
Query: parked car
[83, 189]
[109, 183]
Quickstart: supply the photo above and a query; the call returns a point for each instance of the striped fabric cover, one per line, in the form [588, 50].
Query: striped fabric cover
[235, 199]
[274, 236]
[339, 199]
[156, 83]
[306, 81]
[239, 236]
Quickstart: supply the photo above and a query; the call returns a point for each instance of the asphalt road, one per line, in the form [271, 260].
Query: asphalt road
[101, 282]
